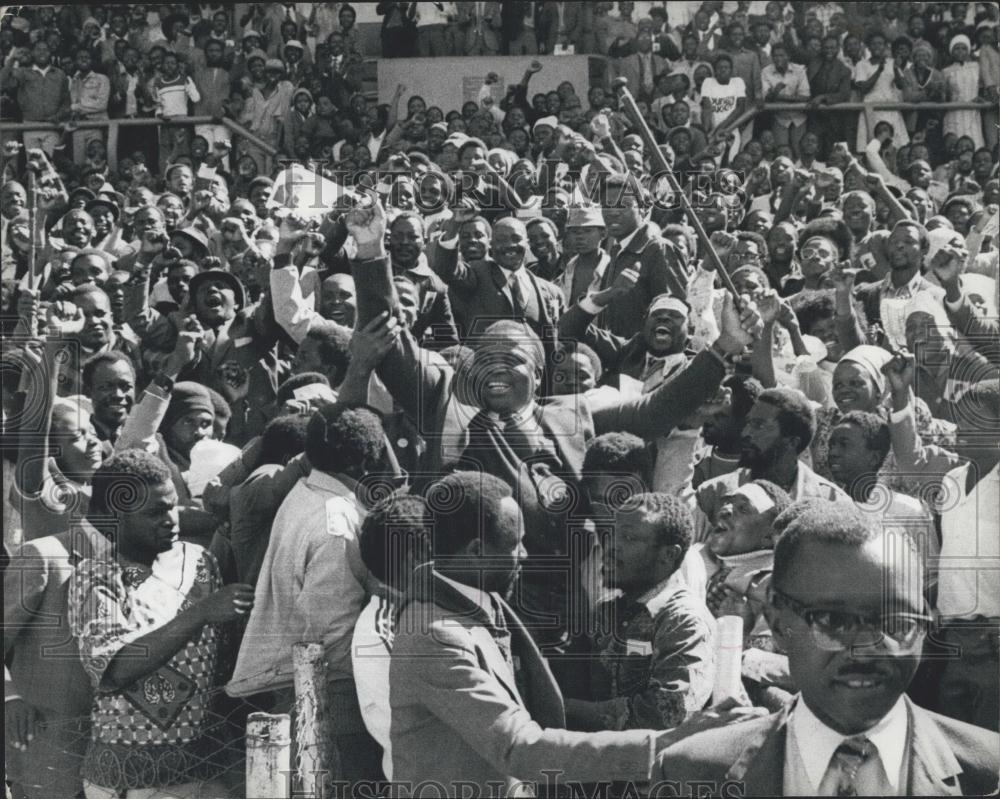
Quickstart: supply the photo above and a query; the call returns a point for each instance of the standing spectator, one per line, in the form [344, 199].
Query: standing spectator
[878, 80]
[784, 82]
[565, 23]
[723, 97]
[398, 29]
[989, 76]
[42, 92]
[642, 68]
[89, 92]
[172, 89]
[347, 17]
[479, 25]
[517, 31]
[312, 582]
[266, 107]
[212, 81]
[746, 61]
[830, 83]
[146, 622]
[432, 33]
[964, 82]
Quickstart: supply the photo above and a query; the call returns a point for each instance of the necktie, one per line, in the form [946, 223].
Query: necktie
[616, 248]
[847, 761]
[517, 294]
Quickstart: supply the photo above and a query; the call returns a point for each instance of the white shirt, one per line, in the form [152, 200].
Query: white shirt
[371, 648]
[311, 587]
[723, 97]
[811, 743]
[521, 276]
[969, 580]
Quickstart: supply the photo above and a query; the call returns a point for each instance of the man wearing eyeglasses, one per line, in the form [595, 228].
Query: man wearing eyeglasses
[846, 604]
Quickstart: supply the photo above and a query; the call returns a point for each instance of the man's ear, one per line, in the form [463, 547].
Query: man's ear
[672, 555]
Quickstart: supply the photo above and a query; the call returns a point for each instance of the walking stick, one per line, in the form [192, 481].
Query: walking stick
[619, 85]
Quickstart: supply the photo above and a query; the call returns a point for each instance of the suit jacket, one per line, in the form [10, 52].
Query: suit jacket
[478, 296]
[660, 271]
[946, 758]
[435, 323]
[578, 19]
[427, 390]
[475, 27]
[461, 715]
[630, 68]
[43, 659]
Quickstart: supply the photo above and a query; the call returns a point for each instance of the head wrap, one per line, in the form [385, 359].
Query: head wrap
[668, 302]
[187, 397]
[960, 39]
[871, 359]
[756, 496]
[551, 122]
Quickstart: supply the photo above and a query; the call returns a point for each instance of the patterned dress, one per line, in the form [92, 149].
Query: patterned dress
[160, 730]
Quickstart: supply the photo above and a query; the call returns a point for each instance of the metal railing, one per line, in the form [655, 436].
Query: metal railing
[113, 125]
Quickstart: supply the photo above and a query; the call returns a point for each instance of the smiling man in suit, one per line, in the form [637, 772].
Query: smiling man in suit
[846, 604]
[498, 286]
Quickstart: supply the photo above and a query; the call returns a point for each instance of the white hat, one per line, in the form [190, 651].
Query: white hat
[551, 122]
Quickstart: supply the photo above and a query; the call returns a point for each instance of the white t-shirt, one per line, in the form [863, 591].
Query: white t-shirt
[723, 97]
[371, 647]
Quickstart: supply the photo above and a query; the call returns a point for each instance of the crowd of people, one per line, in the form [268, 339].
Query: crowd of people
[581, 472]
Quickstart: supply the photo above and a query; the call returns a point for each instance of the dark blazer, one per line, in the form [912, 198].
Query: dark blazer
[947, 758]
[478, 298]
[460, 716]
[661, 271]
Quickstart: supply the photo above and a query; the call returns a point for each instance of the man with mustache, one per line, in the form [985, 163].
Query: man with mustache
[846, 603]
[778, 430]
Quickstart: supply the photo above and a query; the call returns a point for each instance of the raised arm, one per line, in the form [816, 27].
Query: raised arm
[657, 413]
[577, 323]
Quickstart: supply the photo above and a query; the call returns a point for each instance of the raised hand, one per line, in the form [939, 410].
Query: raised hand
[371, 344]
[843, 277]
[63, 319]
[601, 126]
[769, 306]
[367, 225]
[622, 286]
[739, 326]
[186, 348]
[900, 371]
[947, 264]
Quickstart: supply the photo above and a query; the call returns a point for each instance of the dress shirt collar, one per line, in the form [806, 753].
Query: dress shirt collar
[816, 742]
[40, 71]
[906, 290]
[656, 597]
[510, 273]
[623, 243]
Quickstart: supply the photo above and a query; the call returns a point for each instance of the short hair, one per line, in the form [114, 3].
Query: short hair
[834, 229]
[342, 437]
[471, 142]
[544, 220]
[414, 217]
[334, 343]
[284, 437]
[722, 57]
[87, 289]
[619, 453]
[465, 505]
[108, 357]
[481, 220]
[397, 525]
[122, 482]
[572, 347]
[795, 414]
[745, 391]
[688, 232]
[287, 389]
[874, 429]
[820, 521]
[756, 238]
[984, 394]
[670, 514]
[921, 230]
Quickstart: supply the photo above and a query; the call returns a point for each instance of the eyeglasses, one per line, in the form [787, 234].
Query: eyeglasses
[816, 252]
[837, 630]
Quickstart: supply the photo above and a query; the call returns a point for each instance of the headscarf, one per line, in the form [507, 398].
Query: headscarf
[871, 359]
[960, 39]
